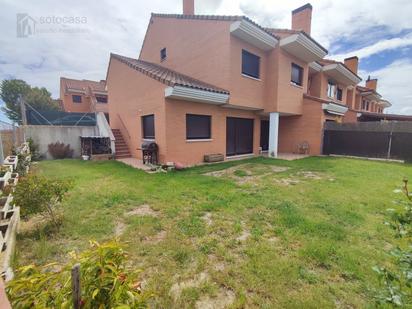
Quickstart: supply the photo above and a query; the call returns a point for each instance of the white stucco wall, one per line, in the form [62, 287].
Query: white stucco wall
[44, 135]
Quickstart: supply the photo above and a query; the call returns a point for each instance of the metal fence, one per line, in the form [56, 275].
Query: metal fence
[388, 140]
[58, 118]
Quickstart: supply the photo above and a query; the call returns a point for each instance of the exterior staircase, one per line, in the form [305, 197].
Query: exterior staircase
[122, 150]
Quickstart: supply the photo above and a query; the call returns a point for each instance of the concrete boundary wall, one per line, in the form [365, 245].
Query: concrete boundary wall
[44, 135]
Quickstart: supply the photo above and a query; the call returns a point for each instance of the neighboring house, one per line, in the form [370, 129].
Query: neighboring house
[223, 84]
[368, 99]
[84, 96]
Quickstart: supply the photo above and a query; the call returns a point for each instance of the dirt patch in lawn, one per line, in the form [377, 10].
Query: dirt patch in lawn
[249, 173]
[34, 223]
[216, 264]
[178, 287]
[221, 300]
[156, 238]
[287, 181]
[119, 228]
[300, 177]
[142, 210]
[244, 236]
[207, 217]
[310, 175]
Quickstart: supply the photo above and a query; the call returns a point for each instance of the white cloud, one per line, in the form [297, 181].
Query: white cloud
[378, 47]
[120, 27]
[394, 85]
[110, 28]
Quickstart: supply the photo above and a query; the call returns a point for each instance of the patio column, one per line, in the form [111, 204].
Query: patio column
[273, 134]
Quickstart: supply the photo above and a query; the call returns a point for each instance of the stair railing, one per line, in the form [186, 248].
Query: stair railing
[124, 126]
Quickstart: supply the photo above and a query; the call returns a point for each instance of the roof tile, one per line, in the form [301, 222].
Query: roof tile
[167, 76]
[84, 84]
[215, 17]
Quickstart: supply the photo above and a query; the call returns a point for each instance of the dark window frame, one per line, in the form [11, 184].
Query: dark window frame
[76, 96]
[248, 64]
[190, 119]
[163, 54]
[333, 86]
[145, 134]
[101, 96]
[299, 81]
[365, 105]
[339, 94]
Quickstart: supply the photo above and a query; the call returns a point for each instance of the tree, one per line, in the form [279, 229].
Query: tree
[38, 98]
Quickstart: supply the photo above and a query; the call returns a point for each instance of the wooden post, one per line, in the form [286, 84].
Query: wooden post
[76, 292]
[22, 110]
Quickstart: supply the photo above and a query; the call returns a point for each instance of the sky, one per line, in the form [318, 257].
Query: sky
[75, 38]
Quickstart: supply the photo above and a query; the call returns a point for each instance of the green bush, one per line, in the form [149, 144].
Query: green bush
[34, 150]
[60, 150]
[40, 195]
[22, 164]
[104, 280]
[396, 279]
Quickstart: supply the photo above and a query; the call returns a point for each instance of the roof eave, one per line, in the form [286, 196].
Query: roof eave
[303, 47]
[341, 73]
[196, 95]
[253, 34]
[335, 109]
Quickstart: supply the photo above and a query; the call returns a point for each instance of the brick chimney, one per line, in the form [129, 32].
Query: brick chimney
[302, 18]
[372, 83]
[352, 64]
[189, 7]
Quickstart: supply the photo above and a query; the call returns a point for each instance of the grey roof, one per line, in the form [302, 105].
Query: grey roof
[167, 76]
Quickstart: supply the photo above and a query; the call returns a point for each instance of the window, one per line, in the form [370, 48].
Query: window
[339, 94]
[331, 89]
[365, 105]
[148, 127]
[77, 98]
[297, 75]
[101, 99]
[198, 126]
[163, 54]
[250, 64]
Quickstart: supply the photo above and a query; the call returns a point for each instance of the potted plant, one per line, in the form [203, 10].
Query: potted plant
[5, 173]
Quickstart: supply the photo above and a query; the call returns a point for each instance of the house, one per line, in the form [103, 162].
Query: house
[206, 84]
[368, 99]
[83, 96]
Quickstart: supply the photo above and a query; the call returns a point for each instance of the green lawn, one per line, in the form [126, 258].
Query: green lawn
[254, 233]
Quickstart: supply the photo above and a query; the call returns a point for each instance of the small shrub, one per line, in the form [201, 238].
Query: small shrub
[60, 150]
[105, 282]
[22, 164]
[4, 170]
[40, 195]
[34, 149]
[397, 278]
